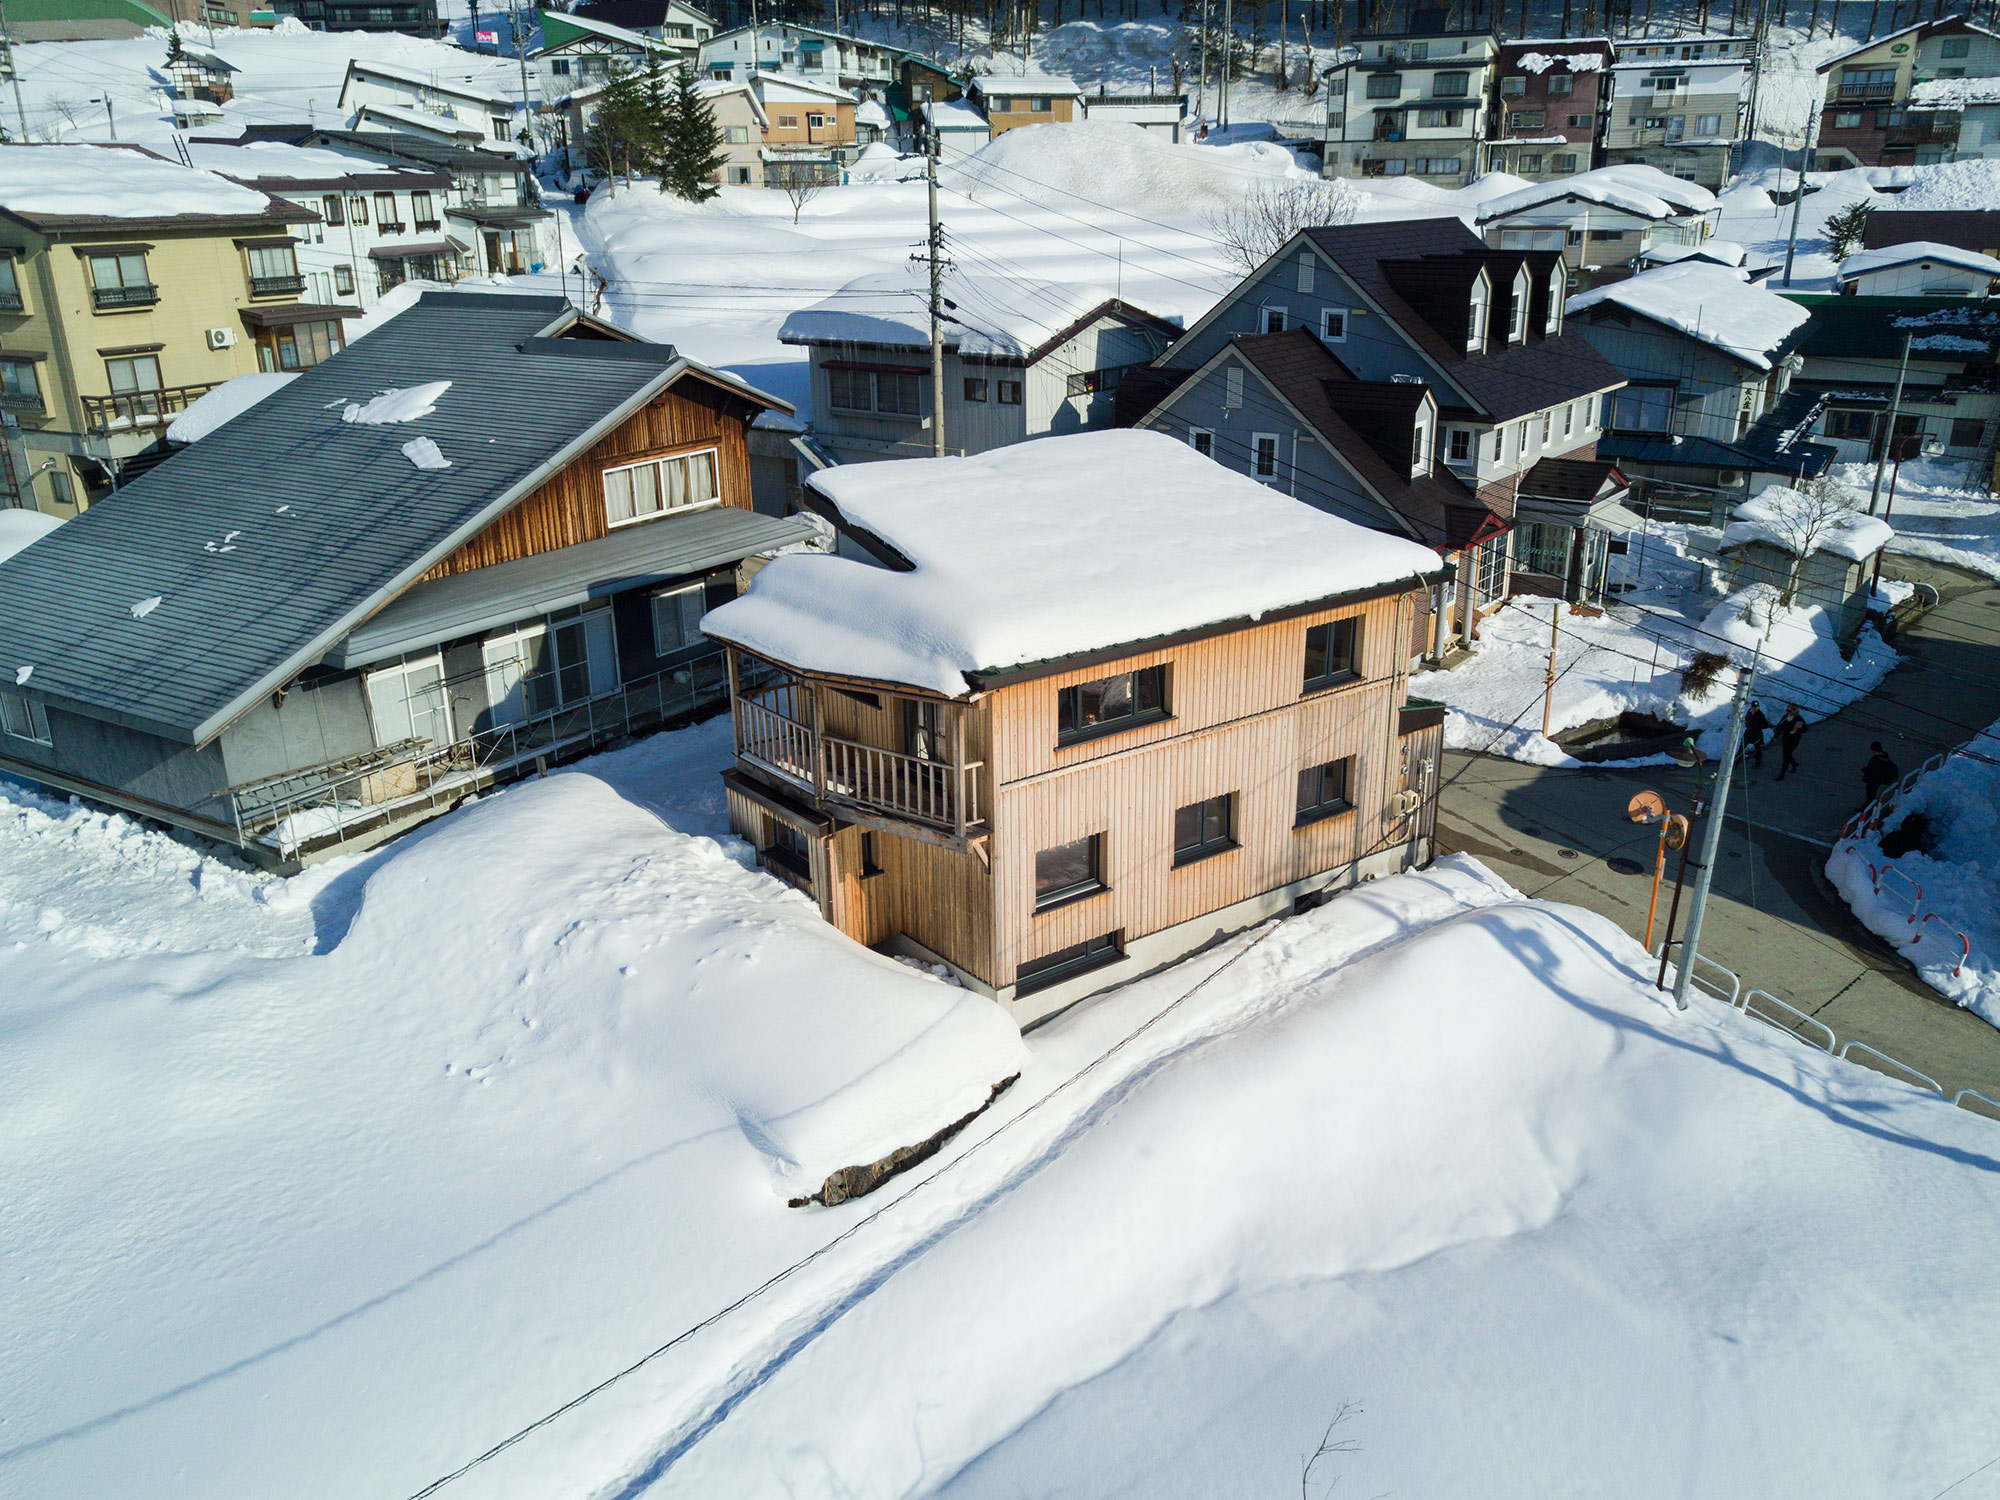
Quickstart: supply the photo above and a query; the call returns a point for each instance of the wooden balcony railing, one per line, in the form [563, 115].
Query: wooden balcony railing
[103, 414]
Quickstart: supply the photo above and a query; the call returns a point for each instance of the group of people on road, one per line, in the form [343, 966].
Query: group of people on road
[1878, 772]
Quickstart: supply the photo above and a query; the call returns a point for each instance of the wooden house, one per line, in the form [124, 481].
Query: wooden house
[338, 614]
[1094, 701]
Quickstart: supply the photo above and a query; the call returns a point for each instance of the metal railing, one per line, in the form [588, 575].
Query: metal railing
[140, 408]
[143, 295]
[1854, 92]
[276, 286]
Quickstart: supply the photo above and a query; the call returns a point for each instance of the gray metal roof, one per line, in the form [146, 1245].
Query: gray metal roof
[271, 538]
[463, 604]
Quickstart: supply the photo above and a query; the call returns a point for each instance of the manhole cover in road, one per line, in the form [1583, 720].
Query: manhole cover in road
[1625, 866]
[1565, 854]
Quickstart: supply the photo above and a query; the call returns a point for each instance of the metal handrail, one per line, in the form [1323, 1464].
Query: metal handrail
[145, 294]
[1923, 1080]
[1791, 1010]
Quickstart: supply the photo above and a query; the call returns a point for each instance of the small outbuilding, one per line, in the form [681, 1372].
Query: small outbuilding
[1809, 547]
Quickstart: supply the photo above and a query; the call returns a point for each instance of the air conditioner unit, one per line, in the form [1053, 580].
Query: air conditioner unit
[1730, 479]
[221, 338]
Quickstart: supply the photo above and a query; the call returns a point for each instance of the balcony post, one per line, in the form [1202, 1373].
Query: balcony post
[818, 743]
[735, 701]
[958, 769]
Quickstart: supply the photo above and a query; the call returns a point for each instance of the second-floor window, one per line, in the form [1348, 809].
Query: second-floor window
[421, 211]
[1205, 828]
[1451, 85]
[343, 281]
[639, 491]
[10, 286]
[873, 388]
[1461, 445]
[385, 211]
[736, 135]
[330, 209]
[975, 388]
[273, 269]
[121, 281]
[133, 375]
[1526, 119]
[357, 209]
[1323, 791]
[1643, 408]
[1264, 454]
[1329, 654]
[1385, 86]
[1110, 704]
[1561, 83]
[1333, 324]
[20, 384]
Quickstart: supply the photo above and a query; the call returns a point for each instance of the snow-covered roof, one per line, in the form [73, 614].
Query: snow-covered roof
[278, 162]
[872, 112]
[1783, 518]
[1025, 83]
[1044, 550]
[1001, 317]
[1951, 185]
[1644, 192]
[955, 115]
[1954, 93]
[636, 40]
[115, 182]
[1713, 305]
[1717, 252]
[772, 88]
[458, 88]
[1576, 62]
[417, 119]
[20, 527]
[1911, 252]
[227, 401]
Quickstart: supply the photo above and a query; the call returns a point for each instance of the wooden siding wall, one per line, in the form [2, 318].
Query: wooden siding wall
[569, 508]
[1239, 727]
[942, 898]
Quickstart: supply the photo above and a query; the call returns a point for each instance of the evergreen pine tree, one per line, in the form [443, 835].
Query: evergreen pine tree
[622, 137]
[659, 127]
[694, 142]
[175, 51]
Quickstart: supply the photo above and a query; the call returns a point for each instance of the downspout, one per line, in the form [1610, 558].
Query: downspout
[59, 337]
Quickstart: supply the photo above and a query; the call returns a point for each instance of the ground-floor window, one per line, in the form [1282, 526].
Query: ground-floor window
[22, 718]
[1069, 872]
[1543, 547]
[1066, 963]
[550, 665]
[677, 619]
[407, 701]
[789, 848]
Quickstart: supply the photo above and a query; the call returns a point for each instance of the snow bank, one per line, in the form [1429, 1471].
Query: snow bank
[1917, 250]
[1645, 192]
[1119, 165]
[1942, 511]
[1954, 877]
[1046, 549]
[225, 403]
[113, 182]
[18, 528]
[1712, 304]
[403, 405]
[1004, 316]
[1783, 518]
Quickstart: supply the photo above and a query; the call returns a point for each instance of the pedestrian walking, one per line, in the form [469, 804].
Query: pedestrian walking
[1756, 729]
[1791, 729]
[1877, 773]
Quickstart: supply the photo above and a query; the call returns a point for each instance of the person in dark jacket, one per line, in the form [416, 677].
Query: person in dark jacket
[1756, 730]
[1791, 729]
[1878, 772]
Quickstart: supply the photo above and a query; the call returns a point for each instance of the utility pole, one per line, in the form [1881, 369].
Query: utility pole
[1711, 836]
[937, 293]
[1549, 688]
[1203, 105]
[1798, 203]
[13, 76]
[521, 52]
[1889, 437]
[1228, 54]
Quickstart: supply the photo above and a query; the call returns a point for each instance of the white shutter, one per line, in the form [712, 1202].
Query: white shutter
[1232, 388]
[1305, 270]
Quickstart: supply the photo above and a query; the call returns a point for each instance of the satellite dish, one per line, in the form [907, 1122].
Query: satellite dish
[1646, 807]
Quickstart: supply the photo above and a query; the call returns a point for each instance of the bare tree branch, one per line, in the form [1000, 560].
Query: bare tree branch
[1275, 211]
[1329, 1445]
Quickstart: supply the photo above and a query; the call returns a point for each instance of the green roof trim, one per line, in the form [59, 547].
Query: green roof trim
[136, 11]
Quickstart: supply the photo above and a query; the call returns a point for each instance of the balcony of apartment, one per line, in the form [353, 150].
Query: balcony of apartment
[112, 298]
[130, 409]
[780, 732]
[1864, 93]
[277, 286]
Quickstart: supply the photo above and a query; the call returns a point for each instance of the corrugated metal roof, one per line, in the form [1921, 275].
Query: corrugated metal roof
[464, 604]
[271, 538]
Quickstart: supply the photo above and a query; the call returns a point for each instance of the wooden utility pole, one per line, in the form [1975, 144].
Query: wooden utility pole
[1549, 690]
[937, 289]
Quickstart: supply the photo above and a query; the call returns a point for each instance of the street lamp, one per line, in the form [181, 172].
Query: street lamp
[1931, 446]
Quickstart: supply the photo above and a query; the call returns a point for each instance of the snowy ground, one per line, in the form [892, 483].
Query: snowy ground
[1939, 512]
[1630, 658]
[423, 1146]
[1946, 891]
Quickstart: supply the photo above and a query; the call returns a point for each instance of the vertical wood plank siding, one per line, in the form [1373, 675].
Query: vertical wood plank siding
[569, 508]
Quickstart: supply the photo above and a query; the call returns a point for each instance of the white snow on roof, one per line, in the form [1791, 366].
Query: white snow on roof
[1000, 316]
[872, 112]
[1711, 304]
[1046, 549]
[1914, 251]
[225, 403]
[425, 454]
[1954, 93]
[1781, 517]
[431, 80]
[770, 88]
[404, 405]
[113, 182]
[275, 161]
[418, 119]
[1577, 62]
[1720, 252]
[20, 527]
[956, 115]
[1952, 185]
[1645, 192]
[606, 30]
[1025, 83]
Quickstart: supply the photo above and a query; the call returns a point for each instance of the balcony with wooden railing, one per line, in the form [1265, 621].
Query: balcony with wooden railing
[117, 413]
[779, 732]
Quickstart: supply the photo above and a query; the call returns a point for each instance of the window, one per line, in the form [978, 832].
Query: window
[1850, 422]
[788, 122]
[1642, 408]
[357, 209]
[329, 209]
[1517, 315]
[120, 281]
[1606, 234]
[1419, 51]
[1008, 392]
[789, 848]
[1090, 382]
[637, 492]
[20, 384]
[1066, 963]
[1305, 270]
[869, 864]
[1202, 441]
[1576, 122]
[1543, 547]
[1676, 127]
[887, 390]
[1526, 119]
[550, 664]
[1385, 86]
[343, 281]
[1548, 426]
[975, 388]
[739, 176]
[24, 718]
[298, 346]
[1110, 704]
[1475, 323]
[1439, 119]
[815, 122]
[421, 211]
[1450, 85]
[736, 135]
[1521, 440]
[1966, 432]
[1274, 320]
[1461, 446]
[1232, 388]
[10, 286]
[1041, 104]
[1499, 443]
[1333, 324]
[1562, 83]
[1420, 449]
[385, 211]
[1531, 161]
[559, 67]
[1204, 829]
[1439, 166]
[1264, 451]
[1322, 792]
[1515, 84]
[134, 374]
[1842, 120]
[273, 270]
[1558, 292]
[1955, 46]
[677, 619]
[1329, 654]
[1569, 419]
[1708, 124]
[1069, 872]
[1001, 106]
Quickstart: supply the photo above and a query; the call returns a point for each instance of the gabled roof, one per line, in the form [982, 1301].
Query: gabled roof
[1713, 305]
[1527, 377]
[1011, 84]
[1641, 191]
[1942, 23]
[794, 29]
[457, 88]
[987, 317]
[560, 30]
[271, 538]
[62, 188]
[1915, 252]
[417, 119]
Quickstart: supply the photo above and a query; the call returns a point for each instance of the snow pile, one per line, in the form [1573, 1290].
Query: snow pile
[879, 161]
[1912, 251]
[425, 454]
[1794, 647]
[401, 405]
[1007, 317]
[280, 162]
[1118, 165]
[1715, 305]
[1792, 522]
[1954, 93]
[1941, 511]
[20, 527]
[114, 182]
[145, 606]
[225, 403]
[1047, 549]
[1644, 192]
[1953, 875]
[873, 112]
[1954, 185]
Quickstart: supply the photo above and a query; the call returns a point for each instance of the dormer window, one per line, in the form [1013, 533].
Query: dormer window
[1475, 323]
[1517, 314]
[1420, 448]
[1558, 291]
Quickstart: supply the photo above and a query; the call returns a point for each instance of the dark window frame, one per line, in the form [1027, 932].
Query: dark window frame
[1315, 781]
[975, 388]
[1339, 645]
[778, 849]
[1214, 832]
[1083, 889]
[1070, 728]
[1066, 963]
